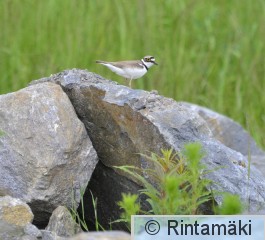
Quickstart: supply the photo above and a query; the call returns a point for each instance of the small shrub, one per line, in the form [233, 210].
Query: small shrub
[130, 207]
[231, 205]
[176, 185]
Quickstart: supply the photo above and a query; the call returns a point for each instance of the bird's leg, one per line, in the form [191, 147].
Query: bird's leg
[130, 83]
[126, 80]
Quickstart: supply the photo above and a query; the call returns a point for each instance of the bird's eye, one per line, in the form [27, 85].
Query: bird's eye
[147, 59]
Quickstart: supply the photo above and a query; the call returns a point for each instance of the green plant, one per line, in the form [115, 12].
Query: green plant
[94, 202]
[231, 205]
[2, 133]
[130, 207]
[80, 218]
[73, 210]
[176, 185]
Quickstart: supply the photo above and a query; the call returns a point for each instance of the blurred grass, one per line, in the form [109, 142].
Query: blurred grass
[209, 52]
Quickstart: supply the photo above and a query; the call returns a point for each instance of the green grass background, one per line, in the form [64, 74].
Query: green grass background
[210, 52]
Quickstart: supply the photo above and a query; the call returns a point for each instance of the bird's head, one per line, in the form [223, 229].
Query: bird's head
[149, 61]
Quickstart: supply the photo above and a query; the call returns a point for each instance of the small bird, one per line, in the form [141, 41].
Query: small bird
[130, 69]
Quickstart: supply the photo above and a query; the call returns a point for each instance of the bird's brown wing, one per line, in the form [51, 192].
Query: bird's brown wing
[124, 64]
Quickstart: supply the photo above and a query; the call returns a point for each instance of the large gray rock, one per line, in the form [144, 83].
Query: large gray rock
[15, 211]
[46, 155]
[32, 230]
[107, 235]
[15, 220]
[232, 135]
[62, 223]
[123, 122]
[48, 235]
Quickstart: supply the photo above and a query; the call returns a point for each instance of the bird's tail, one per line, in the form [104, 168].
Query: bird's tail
[100, 62]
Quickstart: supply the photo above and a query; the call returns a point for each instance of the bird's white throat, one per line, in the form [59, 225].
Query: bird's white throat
[147, 64]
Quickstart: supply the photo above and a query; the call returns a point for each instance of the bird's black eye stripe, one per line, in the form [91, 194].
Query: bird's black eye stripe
[149, 59]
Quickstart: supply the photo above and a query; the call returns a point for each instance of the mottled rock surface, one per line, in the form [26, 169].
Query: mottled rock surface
[45, 152]
[62, 223]
[232, 135]
[48, 235]
[123, 122]
[15, 220]
[106, 235]
[15, 211]
[32, 230]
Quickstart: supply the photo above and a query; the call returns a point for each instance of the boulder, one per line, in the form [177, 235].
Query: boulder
[123, 122]
[15, 211]
[15, 220]
[48, 235]
[232, 135]
[46, 156]
[106, 235]
[32, 231]
[62, 223]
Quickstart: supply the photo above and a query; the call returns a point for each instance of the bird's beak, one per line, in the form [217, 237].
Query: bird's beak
[155, 63]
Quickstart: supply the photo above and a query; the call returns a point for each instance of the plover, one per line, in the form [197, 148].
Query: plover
[130, 69]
